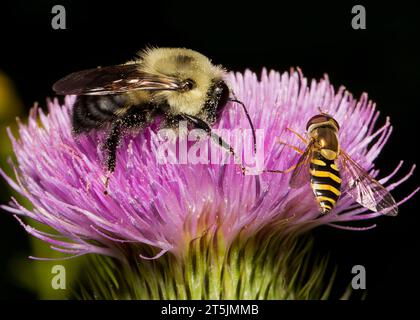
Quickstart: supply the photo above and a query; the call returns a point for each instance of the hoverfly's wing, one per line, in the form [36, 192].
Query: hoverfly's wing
[300, 175]
[115, 79]
[364, 189]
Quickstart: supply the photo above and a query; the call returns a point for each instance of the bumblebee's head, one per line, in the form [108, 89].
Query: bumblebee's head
[205, 93]
[204, 79]
[322, 120]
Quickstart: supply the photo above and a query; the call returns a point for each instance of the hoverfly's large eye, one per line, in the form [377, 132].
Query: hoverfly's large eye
[336, 123]
[317, 119]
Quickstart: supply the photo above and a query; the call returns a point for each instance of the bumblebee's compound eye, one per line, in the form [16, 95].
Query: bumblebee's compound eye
[188, 85]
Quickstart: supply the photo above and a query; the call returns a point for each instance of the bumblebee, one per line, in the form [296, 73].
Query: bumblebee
[331, 172]
[172, 83]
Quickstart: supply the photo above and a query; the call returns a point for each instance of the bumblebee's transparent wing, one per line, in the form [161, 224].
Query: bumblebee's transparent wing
[115, 79]
[301, 175]
[364, 189]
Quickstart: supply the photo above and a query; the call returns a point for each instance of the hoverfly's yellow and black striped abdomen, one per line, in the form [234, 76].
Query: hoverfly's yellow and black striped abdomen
[325, 182]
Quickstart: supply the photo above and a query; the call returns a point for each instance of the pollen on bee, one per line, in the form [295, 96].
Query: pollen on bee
[104, 179]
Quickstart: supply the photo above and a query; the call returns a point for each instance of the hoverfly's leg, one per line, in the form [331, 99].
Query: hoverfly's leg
[299, 136]
[291, 146]
[200, 124]
[282, 171]
[111, 145]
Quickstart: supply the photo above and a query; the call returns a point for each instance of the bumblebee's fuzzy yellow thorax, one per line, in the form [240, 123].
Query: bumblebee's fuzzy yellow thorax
[183, 64]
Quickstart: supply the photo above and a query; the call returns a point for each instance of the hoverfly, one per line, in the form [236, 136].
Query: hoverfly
[331, 171]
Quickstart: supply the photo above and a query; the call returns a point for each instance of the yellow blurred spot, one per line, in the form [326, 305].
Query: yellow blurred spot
[10, 104]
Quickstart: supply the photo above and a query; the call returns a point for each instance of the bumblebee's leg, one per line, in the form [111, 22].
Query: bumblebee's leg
[129, 121]
[111, 145]
[200, 124]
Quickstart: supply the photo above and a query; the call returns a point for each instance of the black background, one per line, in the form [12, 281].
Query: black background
[382, 60]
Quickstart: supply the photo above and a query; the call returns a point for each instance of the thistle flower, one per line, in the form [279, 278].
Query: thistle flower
[213, 232]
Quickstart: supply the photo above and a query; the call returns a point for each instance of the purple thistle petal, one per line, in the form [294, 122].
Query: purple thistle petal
[166, 206]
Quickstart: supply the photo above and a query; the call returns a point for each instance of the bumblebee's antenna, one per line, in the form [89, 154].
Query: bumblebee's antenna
[249, 120]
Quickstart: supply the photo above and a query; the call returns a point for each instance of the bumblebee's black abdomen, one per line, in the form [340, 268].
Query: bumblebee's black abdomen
[325, 182]
[91, 111]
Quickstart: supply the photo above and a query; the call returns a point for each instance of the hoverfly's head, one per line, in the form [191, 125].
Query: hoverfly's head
[322, 120]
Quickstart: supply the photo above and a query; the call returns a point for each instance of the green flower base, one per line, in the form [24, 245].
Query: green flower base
[261, 267]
